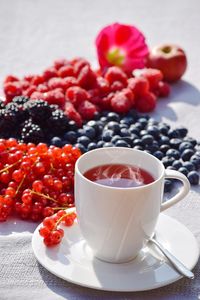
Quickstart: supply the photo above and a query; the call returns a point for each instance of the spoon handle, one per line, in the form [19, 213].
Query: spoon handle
[183, 270]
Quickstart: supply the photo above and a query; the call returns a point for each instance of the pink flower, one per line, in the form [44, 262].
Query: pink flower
[123, 46]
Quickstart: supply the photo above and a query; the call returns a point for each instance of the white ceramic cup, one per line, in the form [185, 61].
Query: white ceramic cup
[116, 222]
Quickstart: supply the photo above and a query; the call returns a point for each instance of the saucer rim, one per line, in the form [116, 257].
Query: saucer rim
[92, 286]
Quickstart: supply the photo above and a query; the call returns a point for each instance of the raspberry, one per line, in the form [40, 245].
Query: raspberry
[116, 86]
[102, 85]
[24, 84]
[138, 85]
[93, 96]
[146, 103]
[29, 78]
[72, 113]
[55, 97]
[76, 95]
[69, 81]
[116, 74]
[60, 63]
[37, 95]
[78, 64]
[120, 103]
[86, 78]
[10, 78]
[50, 73]
[106, 102]
[66, 71]
[152, 75]
[42, 88]
[87, 110]
[37, 80]
[12, 89]
[163, 89]
[129, 94]
[55, 83]
[30, 91]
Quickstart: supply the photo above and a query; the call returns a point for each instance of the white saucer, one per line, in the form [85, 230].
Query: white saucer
[73, 260]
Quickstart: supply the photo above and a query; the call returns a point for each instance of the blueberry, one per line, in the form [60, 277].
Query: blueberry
[182, 131]
[114, 126]
[127, 120]
[195, 160]
[89, 132]
[93, 124]
[189, 166]
[143, 132]
[183, 170]
[115, 138]
[138, 142]
[125, 132]
[177, 164]
[173, 153]
[134, 130]
[103, 119]
[71, 136]
[158, 154]
[107, 135]
[164, 148]
[143, 121]
[91, 146]
[168, 185]
[80, 132]
[152, 121]
[175, 143]
[140, 148]
[84, 140]
[96, 115]
[123, 126]
[133, 113]
[153, 130]
[193, 177]
[72, 125]
[112, 116]
[185, 145]
[168, 161]
[108, 144]
[163, 129]
[56, 141]
[147, 139]
[187, 154]
[134, 136]
[121, 143]
[190, 140]
[139, 126]
[81, 147]
[152, 148]
[128, 140]
[163, 140]
[100, 144]
[173, 133]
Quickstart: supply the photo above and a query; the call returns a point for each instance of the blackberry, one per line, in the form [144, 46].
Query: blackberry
[20, 100]
[39, 110]
[18, 114]
[57, 123]
[32, 132]
[2, 104]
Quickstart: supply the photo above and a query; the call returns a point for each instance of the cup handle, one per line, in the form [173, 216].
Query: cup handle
[183, 191]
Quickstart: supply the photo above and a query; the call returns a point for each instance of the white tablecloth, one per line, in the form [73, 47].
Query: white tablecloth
[35, 32]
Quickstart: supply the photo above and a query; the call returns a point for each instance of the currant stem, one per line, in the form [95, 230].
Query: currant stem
[10, 166]
[43, 195]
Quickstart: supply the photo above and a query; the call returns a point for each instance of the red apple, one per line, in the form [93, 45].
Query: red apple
[170, 59]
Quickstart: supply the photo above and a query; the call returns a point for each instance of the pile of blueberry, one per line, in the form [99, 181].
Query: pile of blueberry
[173, 147]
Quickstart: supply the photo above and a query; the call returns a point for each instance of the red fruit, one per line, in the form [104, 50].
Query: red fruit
[87, 110]
[146, 103]
[37, 80]
[12, 89]
[37, 186]
[49, 223]
[102, 85]
[93, 96]
[163, 89]
[66, 71]
[170, 59]
[138, 85]
[86, 78]
[76, 95]
[78, 64]
[38, 95]
[55, 83]
[69, 221]
[116, 74]
[30, 91]
[129, 94]
[50, 73]
[120, 103]
[44, 232]
[152, 75]
[29, 78]
[69, 81]
[43, 88]
[72, 113]
[24, 84]
[105, 103]
[116, 86]
[60, 63]
[55, 97]
[10, 78]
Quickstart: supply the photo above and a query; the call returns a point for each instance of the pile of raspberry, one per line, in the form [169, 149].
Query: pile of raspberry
[81, 91]
[35, 181]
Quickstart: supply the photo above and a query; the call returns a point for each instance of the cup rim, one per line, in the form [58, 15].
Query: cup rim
[119, 188]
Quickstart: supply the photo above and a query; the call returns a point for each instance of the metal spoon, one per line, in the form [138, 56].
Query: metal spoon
[179, 266]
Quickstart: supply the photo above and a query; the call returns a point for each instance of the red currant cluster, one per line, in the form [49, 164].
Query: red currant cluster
[35, 181]
[51, 232]
[81, 91]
